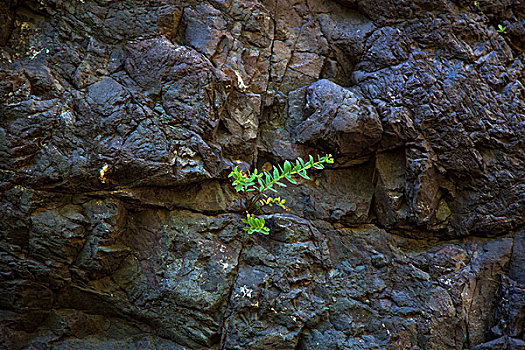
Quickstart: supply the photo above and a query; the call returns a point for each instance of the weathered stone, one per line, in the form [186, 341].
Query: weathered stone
[7, 17]
[339, 120]
[390, 204]
[517, 264]
[120, 121]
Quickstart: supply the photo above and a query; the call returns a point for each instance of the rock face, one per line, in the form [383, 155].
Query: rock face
[120, 121]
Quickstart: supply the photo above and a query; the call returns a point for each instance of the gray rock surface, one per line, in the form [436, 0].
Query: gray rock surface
[339, 119]
[120, 121]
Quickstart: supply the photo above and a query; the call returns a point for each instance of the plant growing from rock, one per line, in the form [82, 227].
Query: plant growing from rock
[252, 186]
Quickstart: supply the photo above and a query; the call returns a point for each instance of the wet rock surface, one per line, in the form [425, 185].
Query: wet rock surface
[119, 122]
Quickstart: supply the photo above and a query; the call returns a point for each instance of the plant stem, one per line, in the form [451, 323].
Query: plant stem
[283, 175]
[252, 201]
[255, 198]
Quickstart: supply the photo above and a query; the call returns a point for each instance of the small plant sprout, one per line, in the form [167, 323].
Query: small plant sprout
[252, 186]
[255, 225]
[501, 29]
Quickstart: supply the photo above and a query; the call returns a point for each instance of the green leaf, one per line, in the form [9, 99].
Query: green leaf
[287, 167]
[280, 184]
[275, 173]
[303, 175]
[289, 178]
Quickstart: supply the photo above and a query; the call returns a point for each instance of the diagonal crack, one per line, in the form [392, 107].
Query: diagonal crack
[227, 310]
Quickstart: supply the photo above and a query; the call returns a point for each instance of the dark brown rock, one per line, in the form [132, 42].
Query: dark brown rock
[339, 120]
[120, 121]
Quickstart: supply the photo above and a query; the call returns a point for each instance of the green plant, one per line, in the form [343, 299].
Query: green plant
[255, 224]
[253, 185]
[501, 29]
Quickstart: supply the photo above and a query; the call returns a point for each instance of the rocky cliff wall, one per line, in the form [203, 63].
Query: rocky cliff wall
[120, 120]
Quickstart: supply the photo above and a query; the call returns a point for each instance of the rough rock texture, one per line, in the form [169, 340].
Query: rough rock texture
[120, 120]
